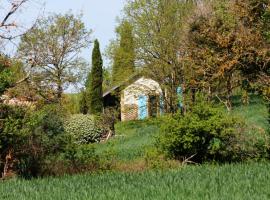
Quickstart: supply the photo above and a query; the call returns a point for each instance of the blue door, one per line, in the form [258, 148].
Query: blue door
[142, 104]
[179, 92]
[161, 105]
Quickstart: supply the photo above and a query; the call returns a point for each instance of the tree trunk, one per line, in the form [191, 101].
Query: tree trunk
[184, 108]
[8, 172]
[229, 93]
[59, 92]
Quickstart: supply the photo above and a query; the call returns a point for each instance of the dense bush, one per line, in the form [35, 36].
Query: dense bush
[31, 137]
[81, 158]
[11, 137]
[46, 138]
[42, 143]
[84, 128]
[210, 134]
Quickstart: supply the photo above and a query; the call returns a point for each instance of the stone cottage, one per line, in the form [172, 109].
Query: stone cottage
[138, 98]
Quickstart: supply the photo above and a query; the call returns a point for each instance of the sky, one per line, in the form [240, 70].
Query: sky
[98, 15]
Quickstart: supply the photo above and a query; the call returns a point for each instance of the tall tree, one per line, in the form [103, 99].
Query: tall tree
[223, 41]
[158, 27]
[96, 80]
[51, 51]
[123, 53]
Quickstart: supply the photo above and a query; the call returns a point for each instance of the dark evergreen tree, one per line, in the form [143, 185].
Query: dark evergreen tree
[124, 53]
[83, 103]
[95, 82]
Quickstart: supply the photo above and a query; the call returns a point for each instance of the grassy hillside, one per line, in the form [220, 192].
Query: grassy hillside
[132, 138]
[235, 181]
[136, 136]
[255, 113]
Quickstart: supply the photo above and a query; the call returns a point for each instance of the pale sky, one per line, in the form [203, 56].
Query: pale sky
[99, 15]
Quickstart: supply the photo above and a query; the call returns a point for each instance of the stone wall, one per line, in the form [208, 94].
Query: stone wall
[129, 112]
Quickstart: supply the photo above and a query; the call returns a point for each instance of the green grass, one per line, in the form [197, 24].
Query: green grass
[255, 113]
[234, 181]
[132, 138]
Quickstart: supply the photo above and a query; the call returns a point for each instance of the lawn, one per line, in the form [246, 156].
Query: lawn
[234, 181]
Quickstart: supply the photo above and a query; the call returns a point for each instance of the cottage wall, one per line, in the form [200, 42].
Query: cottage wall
[130, 97]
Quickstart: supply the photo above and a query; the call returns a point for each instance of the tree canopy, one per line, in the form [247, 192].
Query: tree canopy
[51, 52]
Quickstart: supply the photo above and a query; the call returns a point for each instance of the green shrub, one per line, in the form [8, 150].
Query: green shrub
[210, 134]
[31, 137]
[11, 137]
[46, 138]
[81, 158]
[84, 128]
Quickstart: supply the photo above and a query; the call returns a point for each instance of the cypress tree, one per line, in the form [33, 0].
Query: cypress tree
[124, 54]
[83, 103]
[96, 79]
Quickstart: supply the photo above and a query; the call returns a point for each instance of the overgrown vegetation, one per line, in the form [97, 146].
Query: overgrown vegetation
[209, 133]
[219, 49]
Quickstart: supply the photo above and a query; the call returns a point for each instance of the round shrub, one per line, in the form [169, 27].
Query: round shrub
[209, 133]
[84, 128]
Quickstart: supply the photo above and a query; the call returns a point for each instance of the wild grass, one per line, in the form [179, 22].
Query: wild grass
[232, 181]
[131, 140]
[254, 113]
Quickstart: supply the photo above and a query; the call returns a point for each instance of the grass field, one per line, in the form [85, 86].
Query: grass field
[235, 181]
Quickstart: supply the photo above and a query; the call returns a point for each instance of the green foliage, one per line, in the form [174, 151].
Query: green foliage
[6, 78]
[81, 158]
[96, 80]
[123, 53]
[46, 138]
[31, 137]
[159, 37]
[11, 123]
[83, 128]
[71, 103]
[51, 50]
[83, 103]
[210, 134]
